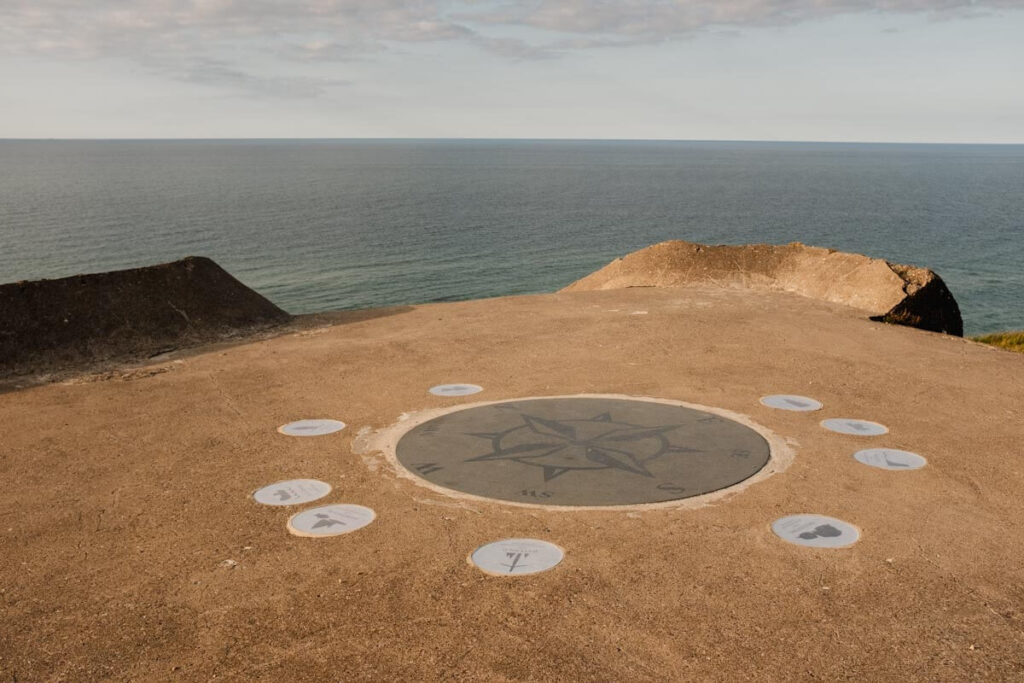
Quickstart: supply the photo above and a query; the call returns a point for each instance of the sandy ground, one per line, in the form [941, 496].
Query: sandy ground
[124, 494]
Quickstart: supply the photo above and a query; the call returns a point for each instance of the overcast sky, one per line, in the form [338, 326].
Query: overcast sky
[860, 70]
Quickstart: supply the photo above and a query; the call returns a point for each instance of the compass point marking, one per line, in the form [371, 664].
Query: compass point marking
[584, 451]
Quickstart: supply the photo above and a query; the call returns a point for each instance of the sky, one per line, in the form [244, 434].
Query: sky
[824, 70]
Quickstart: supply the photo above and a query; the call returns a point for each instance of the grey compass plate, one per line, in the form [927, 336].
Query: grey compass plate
[583, 451]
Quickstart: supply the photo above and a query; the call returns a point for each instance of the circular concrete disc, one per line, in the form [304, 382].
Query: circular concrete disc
[816, 531]
[330, 520]
[292, 492]
[843, 425]
[890, 459]
[791, 402]
[455, 389]
[586, 451]
[311, 427]
[516, 557]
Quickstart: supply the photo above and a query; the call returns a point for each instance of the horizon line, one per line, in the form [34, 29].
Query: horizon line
[484, 139]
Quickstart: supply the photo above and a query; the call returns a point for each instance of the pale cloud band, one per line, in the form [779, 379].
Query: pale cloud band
[661, 19]
[189, 39]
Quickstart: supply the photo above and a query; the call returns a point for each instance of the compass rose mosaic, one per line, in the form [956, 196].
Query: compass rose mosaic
[583, 451]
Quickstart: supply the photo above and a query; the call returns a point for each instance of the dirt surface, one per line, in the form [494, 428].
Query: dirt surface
[51, 325]
[127, 496]
[887, 292]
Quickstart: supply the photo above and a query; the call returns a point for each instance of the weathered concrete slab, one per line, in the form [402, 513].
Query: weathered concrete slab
[583, 451]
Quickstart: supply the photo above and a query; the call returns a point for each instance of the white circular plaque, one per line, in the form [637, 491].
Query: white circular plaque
[890, 459]
[311, 427]
[791, 402]
[816, 531]
[516, 556]
[330, 520]
[292, 492]
[455, 389]
[844, 425]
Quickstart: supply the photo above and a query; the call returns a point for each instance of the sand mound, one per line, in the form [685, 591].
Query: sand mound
[54, 324]
[893, 293]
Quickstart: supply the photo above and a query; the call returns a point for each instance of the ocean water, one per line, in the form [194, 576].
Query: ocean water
[335, 224]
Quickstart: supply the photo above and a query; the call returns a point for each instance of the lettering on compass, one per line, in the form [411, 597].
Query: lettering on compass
[600, 443]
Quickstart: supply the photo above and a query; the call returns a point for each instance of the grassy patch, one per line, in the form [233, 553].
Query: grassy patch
[1012, 341]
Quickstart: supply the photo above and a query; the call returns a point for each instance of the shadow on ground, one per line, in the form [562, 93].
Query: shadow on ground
[129, 367]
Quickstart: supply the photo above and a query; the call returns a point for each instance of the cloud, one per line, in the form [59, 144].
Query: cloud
[110, 26]
[631, 21]
[514, 48]
[195, 37]
[207, 42]
[226, 76]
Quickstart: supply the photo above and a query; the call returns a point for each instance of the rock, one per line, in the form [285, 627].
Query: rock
[48, 325]
[888, 292]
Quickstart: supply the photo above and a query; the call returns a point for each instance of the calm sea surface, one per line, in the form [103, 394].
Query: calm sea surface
[322, 225]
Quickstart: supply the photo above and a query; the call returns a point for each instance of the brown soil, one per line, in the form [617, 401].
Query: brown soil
[888, 292]
[53, 325]
[125, 497]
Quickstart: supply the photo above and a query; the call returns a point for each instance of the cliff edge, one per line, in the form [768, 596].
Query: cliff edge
[48, 325]
[888, 292]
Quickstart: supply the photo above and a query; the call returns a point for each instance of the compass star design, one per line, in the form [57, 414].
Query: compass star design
[560, 446]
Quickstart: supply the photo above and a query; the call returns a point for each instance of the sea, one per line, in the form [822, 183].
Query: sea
[318, 225]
